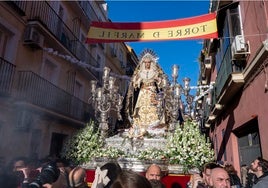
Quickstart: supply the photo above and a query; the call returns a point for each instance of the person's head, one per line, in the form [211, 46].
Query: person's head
[77, 177]
[153, 172]
[18, 163]
[113, 170]
[130, 179]
[230, 169]
[206, 171]
[156, 183]
[219, 178]
[259, 166]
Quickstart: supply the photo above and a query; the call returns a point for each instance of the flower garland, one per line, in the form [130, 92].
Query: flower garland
[82, 64]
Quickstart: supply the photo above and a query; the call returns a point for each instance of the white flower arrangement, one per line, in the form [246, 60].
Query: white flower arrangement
[186, 147]
[151, 154]
[81, 147]
[108, 152]
[86, 145]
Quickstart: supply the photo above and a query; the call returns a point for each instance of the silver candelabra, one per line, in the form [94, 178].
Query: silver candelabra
[170, 98]
[105, 99]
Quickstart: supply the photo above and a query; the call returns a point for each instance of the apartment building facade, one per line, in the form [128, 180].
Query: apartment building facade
[234, 113]
[45, 73]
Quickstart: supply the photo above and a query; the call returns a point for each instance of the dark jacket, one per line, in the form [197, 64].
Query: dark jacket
[261, 182]
[235, 180]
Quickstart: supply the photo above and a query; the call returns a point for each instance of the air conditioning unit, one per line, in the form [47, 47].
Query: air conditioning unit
[33, 38]
[239, 47]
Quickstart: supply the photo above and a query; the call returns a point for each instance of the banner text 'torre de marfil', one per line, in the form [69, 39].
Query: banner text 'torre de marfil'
[200, 27]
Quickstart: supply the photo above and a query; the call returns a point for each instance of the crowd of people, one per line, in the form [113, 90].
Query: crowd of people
[56, 173]
[216, 175]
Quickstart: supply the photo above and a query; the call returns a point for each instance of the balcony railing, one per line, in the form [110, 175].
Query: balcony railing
[229, 81]
[88, 10]
[206, 110]
[18, 6]
[7, 72]
[225, 70]
[41, 11]
[36, 90]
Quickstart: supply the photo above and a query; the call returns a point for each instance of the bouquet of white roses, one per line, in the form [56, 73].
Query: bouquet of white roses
[80, 147]
[188, 147]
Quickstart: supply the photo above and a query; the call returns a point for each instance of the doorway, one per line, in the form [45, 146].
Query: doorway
[56, 144]
[249, 142]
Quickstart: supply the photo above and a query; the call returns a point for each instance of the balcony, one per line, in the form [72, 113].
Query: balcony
[206, 69]
[229, 81]
[229, 78]
[34, 90]
[7, 72]
[18, 6]
[49, 22]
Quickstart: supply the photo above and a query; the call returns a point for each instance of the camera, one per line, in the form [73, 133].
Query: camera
[49, 174]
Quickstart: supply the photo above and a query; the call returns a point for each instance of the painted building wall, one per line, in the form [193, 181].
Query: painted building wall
[246, 111]
[27, 129]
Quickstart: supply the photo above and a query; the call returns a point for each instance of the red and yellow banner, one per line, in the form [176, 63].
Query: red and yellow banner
[199, 27]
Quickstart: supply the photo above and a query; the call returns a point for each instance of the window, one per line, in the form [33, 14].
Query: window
[50, 71]
[229, 26]
[24, 120]
[121, 58]
[235, 21]
[216, 145]
[224, 144]
[78, 89]
[3, 43]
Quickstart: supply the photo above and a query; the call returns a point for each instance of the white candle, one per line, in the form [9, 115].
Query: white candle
[175, 69]
[93, 84]
[99, 93]
[177, 90]
[111, 82]
[106, 72]
[186, 82]
[165, 82]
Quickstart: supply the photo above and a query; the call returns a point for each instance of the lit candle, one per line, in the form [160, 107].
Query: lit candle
[111, 82]
[177, 90]
[120, 99]
[99, 93]
[165, 81]
[93, 84]
[175, 69]
[186, 83]
[106, 72]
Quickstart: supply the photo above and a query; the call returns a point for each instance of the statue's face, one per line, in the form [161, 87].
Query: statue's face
[147, 63]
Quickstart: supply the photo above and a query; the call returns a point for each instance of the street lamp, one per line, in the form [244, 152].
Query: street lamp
[105, 99]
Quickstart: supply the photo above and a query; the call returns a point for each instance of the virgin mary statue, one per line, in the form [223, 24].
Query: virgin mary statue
[142, 104]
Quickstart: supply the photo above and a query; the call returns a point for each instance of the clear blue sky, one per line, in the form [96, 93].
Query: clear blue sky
[185, 53]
